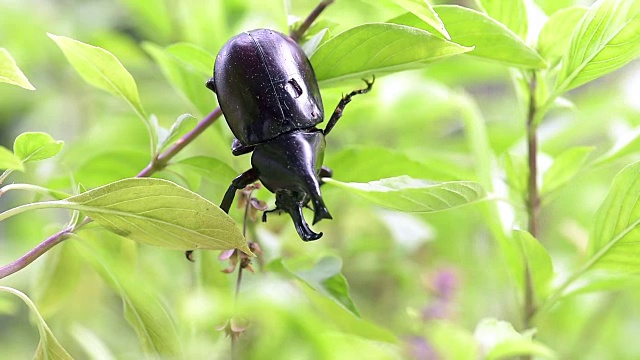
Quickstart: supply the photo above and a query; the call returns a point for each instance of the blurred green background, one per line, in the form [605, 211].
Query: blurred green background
[420, 282]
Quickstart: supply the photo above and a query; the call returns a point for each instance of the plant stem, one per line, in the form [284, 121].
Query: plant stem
[533, 197]
[36, 252]
[157, 164]
[160, 161]
[297, 34]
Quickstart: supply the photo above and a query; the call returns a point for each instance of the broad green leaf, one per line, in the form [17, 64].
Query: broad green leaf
[601, 281]
[555, 35]
[512, 13]
[160, 213]
[153, 18]
[498, 339]
[362, 164]
[91, 343]
[8, 160]
[451, 341]
[326, 277]
[605, 40]
[310, 46]
[490, 39]
[516, 170]
[142, 308]
[379, 48]
[48, 348]
[628, 143]
[425, 12]
[565, 167]
[34, 146]
[101, 69]
[615, 238]
[183, 125]
[211, 168]
[404, 193]
[10, 72]
[536, 257]
[55, 278]
[551, 6]
[194, 58]
[186, 79]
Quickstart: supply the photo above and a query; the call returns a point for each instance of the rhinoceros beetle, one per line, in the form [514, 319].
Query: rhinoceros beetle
[269, 95]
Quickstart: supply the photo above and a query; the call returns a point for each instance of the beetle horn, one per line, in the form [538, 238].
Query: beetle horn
[320, 210]
[301, 225]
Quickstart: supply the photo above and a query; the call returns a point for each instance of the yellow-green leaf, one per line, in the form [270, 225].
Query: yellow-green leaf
[101, 69]
[404, 193]
[10, 72]
[48, 348]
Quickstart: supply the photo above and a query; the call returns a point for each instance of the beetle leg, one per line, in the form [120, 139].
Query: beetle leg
[337, 113]
[238, 183]
[264, 214]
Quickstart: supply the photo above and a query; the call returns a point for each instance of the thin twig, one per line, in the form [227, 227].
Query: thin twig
[155, 165]
[297, 34]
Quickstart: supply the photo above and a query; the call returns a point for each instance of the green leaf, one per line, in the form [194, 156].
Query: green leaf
[185, 78]
[160, 213]
[91, 343]
[516, 170]
[310, 46]
[48, 348]
[379, 48]
[491, 40]
[362, 164]
[498, 339]
[404, 193]
[153, 18]
[512, 13]
[565, 167]
[626, 144]
[615, 239]
[184, 124]
[211, 168]
[194, 58]
[556, 33]
[143, 310]
[326, 278]
[101, 69]
[425, 12]
[35, 146]
[10, 72]
[55, 279]
[605, 40]
[10, 161]
[451, 341]
[536, 257]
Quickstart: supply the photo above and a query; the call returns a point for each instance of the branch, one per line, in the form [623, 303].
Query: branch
[297, 34]
[157, 163]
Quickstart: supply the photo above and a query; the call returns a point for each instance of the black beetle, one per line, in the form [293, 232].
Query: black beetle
[269, 95]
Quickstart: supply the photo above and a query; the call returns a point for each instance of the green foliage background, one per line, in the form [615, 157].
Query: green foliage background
[385, 283]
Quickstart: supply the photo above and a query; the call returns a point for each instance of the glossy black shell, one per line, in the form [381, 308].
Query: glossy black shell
[266, 86]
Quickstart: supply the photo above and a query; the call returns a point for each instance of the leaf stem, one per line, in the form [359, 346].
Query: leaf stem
[33, 206]
[34, 188]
